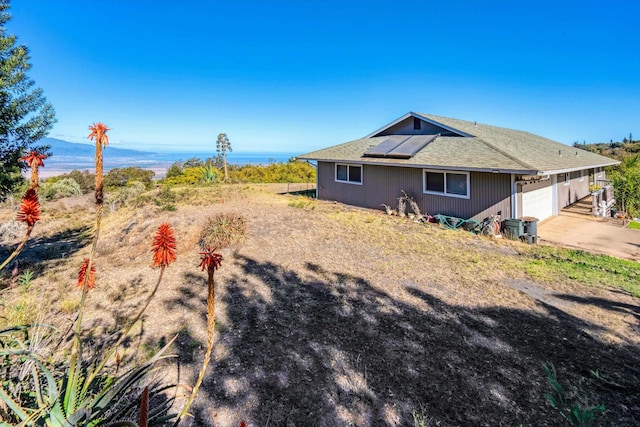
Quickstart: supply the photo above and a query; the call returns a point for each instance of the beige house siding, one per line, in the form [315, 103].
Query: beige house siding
[530, 186]
[533, 186]
[574, 189]
[489, 193]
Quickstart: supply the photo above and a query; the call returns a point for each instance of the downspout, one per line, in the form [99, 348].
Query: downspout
[315, 166]
[514, 196]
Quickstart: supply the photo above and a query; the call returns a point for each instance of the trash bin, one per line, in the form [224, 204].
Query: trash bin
[530, 225]
[513, 228]
[614, 211]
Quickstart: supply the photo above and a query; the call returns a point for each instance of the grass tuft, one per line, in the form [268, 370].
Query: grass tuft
[69, 305]
[223, 230]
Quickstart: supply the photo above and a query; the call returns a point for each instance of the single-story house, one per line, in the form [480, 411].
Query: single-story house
[457, 168]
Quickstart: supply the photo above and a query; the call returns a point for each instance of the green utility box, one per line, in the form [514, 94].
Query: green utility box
[513, 228]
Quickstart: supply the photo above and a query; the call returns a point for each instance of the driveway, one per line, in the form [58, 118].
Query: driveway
[591, 234]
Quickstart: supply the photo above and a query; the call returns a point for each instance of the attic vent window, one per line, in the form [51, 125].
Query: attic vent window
[417, 123]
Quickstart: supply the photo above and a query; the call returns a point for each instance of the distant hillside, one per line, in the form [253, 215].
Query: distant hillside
[617, 150]
[63, 149]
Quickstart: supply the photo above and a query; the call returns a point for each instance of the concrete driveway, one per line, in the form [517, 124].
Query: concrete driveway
[603, 236]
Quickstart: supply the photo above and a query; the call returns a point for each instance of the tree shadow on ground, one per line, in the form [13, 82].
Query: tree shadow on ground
[326, 349]
[42, 253]
[603, 303]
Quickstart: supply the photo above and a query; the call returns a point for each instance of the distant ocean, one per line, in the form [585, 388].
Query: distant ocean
[158, 162]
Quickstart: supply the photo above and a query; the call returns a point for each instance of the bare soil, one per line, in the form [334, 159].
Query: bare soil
[330, 315]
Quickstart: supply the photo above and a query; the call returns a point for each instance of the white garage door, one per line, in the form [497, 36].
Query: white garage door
[538, 203]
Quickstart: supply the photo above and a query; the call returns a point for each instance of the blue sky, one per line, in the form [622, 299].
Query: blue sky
[294, 76]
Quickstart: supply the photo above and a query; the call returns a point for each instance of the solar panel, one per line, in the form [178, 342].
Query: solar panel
[386, 146]
[410, 147]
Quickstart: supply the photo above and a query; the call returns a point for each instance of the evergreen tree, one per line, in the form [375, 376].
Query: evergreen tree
[222, 146]
[25, 114]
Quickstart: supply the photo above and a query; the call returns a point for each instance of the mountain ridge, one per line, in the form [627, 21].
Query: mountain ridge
[61, 148]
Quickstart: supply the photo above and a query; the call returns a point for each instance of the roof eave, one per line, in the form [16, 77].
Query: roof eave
[577, 168]
[426, 166]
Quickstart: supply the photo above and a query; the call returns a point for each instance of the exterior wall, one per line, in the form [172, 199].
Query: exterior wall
[405, 127]
[576, 188]
[524, 188]
[599, 176]
[489, 193]
[543, 207]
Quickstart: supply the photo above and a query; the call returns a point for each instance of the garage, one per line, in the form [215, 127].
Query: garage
[538, 202]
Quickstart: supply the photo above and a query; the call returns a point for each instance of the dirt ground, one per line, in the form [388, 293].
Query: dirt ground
[335, 316]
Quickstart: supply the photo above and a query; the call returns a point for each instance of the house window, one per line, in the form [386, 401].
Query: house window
[452, 184]
[576, 175]
[351, 174]
[417, 123]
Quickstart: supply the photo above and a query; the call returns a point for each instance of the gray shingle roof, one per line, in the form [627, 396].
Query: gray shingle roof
[490, 148]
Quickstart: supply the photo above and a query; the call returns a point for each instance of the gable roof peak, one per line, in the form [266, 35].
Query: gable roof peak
[425, 118]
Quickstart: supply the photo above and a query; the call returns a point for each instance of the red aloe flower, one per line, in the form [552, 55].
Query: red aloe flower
[210, 260]
[243, 423]
[99, 132]
[29, 208]
[34, 156]
[82, 275]
[164, 246]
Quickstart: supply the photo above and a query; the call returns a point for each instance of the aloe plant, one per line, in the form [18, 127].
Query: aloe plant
[80, 395]
[209, 174]
[576, 412]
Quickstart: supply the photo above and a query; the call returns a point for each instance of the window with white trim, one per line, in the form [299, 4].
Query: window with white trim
[350, 174]
[452, 184]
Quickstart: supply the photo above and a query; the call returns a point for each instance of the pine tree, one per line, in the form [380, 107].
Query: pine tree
[222, 146]
[25, 115]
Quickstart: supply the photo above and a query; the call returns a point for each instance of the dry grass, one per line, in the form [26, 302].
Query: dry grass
[223, 230]
[332, 315]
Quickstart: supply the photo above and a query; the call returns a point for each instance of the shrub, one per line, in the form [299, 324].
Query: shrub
[176, 169]
[189, 176]
[125, 195]
[193, 162]
[85, 179]
[121, 177]
[626, 184]
[63, 188]
[293, 171]
[217, 162]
